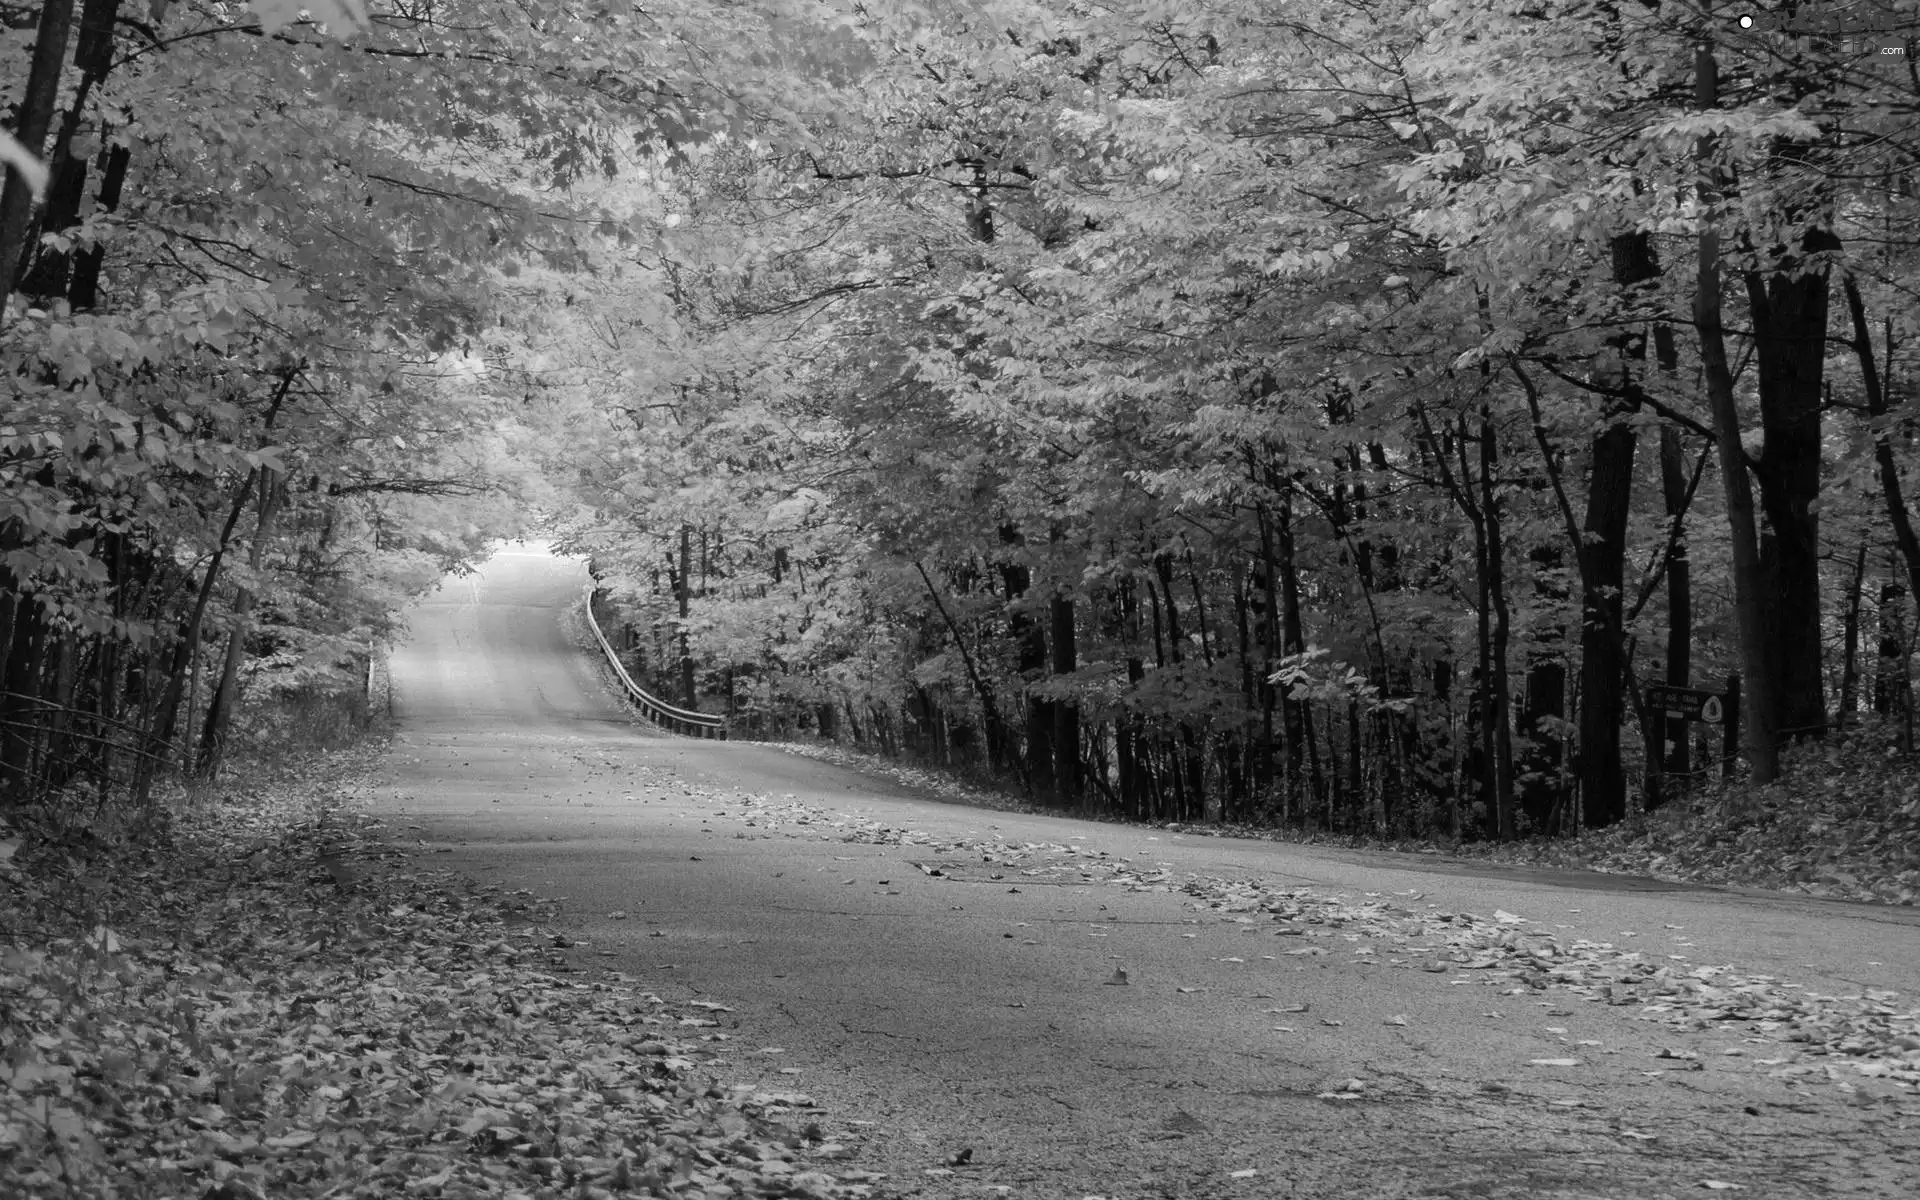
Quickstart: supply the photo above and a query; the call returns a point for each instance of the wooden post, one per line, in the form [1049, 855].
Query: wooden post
[1730, 743]
[1656, 792]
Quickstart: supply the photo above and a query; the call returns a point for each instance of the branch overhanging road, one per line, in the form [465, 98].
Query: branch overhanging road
[1045, 1007]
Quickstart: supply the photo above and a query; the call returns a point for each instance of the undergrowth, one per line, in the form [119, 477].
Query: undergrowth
[1842, 822]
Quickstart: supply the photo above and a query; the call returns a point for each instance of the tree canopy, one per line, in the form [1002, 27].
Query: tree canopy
[1339, 413]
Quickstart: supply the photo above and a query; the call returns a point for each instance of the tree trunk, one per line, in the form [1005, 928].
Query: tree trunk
[1760, 703]
[1790, 328]
[34, 107]
[1498, 686]
[19, 699]
[1066, 714]
[1673, 490]
[683, 596]
[213, 735]
[1850, 664]
[47, 274]
[989, 710]
[1293, 715]
[1891, 494]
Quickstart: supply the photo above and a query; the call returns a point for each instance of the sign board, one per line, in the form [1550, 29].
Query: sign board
[1689, 704]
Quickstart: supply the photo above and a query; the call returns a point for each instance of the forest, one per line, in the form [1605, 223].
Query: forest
[1340, 414]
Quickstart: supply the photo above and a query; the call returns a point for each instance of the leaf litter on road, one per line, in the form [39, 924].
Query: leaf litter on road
[1831, 1037]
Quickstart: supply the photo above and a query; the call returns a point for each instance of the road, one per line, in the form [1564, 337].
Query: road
[947, 979]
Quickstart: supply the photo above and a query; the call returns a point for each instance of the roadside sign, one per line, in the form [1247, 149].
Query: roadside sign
[1689, 704]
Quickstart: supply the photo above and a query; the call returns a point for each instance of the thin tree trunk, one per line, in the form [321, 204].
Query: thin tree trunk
[1891, 494]
[1759, 701]
[1674, 491]
[683, 595]
[1293, 715]
[1066, 714]
[1498, 685]
[1849, 667]
[213, 735]
[989, 711]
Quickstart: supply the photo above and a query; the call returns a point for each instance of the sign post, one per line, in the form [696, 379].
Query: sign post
[1666, 703]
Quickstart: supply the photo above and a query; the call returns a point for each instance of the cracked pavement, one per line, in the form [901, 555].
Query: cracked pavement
[1080, 1025]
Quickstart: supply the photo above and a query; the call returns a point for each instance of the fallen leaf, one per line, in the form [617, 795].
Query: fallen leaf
[1117, 979]
[1553, 1062]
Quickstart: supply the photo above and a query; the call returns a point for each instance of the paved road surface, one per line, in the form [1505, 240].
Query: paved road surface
[963, 1011]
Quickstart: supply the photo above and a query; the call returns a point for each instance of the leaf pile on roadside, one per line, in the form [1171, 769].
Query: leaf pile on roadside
[221, 1016]
[1844, 822]
[1867, 1034]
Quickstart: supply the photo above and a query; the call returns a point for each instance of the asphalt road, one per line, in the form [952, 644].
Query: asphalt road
[968, 1029]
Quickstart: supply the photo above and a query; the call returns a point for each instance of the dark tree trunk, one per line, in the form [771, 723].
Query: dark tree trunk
[19, 699]
[1541, 783]
[1790, 329]
[1066, 714]
[1891, 493]
[1759, 715]
[1673, 490]
[1293, 640]
[34, 108]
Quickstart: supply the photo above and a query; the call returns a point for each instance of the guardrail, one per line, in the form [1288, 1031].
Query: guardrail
[667, 716]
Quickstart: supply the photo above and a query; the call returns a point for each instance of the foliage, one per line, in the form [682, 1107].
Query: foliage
[1216, 339]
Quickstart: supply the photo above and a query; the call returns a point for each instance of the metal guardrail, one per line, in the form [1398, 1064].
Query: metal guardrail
[667, 716]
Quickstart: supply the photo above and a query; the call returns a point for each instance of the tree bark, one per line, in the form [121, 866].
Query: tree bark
[683, 595]
[35, 107]
[1790, 328]
[213, 736]
[1891, 493]
[1499, 715]
[1850, 659]
[1760, 704]
[1673, 491]
[1066, 714]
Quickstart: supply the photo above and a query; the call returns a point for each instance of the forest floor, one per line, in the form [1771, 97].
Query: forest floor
[268, 1000]
[1843, 823]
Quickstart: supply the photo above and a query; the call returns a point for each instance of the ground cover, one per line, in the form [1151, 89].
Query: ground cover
[1843, 823]
[268, 1001]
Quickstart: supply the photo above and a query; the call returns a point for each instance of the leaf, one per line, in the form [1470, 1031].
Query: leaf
[1396, 1019]
[1245, 1173]
[1117, 979]
[1721, 1185]
[1553, 1062]
[337, 15]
